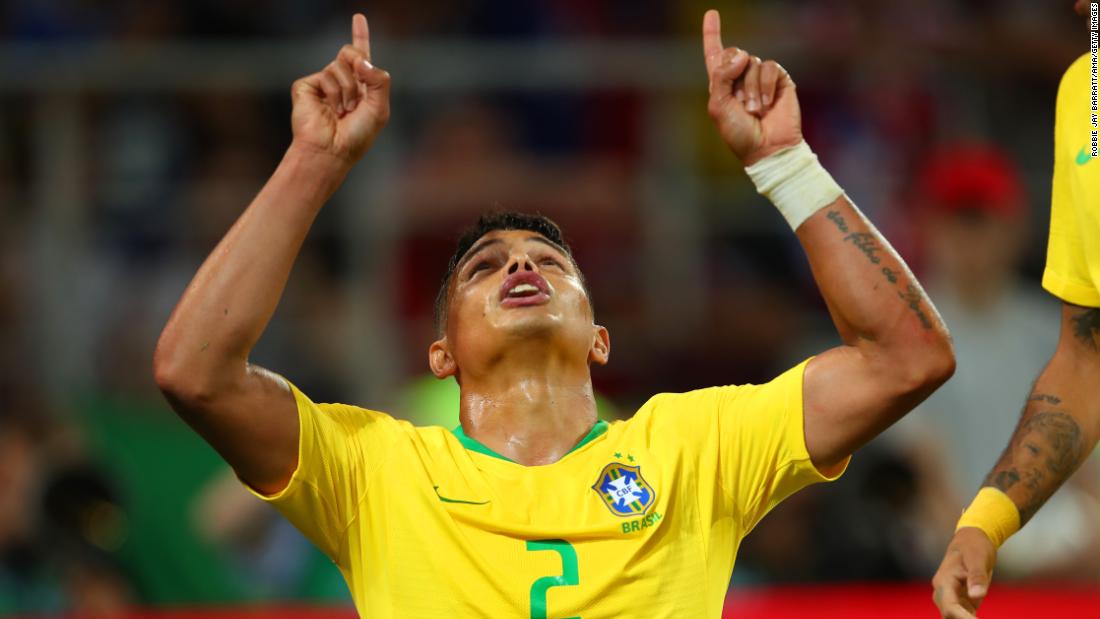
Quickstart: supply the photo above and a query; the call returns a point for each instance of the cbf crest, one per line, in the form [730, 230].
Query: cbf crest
[624, 490]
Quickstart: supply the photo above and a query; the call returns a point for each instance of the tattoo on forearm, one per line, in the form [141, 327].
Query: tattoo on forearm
[838, 219]
[1045, 449]
[912, 298]
[866, 243]
[1003, 479]
[1086, 325]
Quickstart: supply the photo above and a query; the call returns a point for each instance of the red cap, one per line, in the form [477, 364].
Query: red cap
[976, 177]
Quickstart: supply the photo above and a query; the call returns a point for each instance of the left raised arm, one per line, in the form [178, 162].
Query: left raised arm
[896, 350]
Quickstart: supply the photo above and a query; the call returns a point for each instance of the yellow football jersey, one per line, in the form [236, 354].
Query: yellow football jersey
[641, 519]
[1073, 252]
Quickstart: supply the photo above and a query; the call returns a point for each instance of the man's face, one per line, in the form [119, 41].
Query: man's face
[512, 285]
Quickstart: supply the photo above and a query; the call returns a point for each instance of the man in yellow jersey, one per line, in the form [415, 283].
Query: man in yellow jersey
[1060, 424]
[532, 507]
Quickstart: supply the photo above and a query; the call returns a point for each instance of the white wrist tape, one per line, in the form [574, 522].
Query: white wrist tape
[795, 182]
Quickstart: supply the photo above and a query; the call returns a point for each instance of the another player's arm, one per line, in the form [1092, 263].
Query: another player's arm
[1060, 423]
[1058, 429]
[201, 361]
[896, 348]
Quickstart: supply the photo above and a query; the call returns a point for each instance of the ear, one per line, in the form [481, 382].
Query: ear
[601, 346]
[440, 359]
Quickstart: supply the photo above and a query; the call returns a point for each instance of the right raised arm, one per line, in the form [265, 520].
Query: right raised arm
[201, 362]
[896, 350]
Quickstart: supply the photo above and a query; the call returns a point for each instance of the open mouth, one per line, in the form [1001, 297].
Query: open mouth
[524, 288]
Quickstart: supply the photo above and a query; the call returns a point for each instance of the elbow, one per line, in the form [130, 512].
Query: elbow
[929, 367]
[940, 368]
[942, 365]
[180, 378]
[170, 374]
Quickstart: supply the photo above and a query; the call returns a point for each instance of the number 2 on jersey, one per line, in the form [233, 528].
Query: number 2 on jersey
[569, 575]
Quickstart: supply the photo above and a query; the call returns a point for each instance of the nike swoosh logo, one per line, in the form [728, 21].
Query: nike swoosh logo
[1083, 157]
[449, 500]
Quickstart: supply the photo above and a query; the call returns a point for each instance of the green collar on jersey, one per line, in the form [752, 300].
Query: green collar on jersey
[475, 445]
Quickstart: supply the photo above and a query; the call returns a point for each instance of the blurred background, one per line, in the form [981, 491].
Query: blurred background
[133, 133]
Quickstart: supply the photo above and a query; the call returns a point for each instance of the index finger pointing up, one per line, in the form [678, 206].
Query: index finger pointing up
[712, 38]
[360, 34]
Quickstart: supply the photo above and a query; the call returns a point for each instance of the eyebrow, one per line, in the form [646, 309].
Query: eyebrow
[476, 249]
[546, 241]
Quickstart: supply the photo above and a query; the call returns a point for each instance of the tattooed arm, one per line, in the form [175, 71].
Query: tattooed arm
[1061, 420]
[896, 350]
[1059, 427]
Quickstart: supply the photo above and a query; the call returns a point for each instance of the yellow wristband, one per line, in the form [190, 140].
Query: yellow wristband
[994, 513]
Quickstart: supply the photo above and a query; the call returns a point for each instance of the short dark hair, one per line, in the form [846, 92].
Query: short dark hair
[490, 222]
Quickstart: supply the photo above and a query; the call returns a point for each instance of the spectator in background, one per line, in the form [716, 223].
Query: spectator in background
[264, 551]
[23, 584]
[972, 213]
[59, 519]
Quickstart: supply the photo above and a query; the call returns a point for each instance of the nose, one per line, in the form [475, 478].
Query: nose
[519, 262]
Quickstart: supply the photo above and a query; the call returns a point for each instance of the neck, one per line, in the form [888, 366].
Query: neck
[530, 415]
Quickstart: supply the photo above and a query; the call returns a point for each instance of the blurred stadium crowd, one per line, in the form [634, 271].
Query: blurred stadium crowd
[935, 116]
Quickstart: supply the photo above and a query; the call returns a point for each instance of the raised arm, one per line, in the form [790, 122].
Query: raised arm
[201, 361]
[895, 350]
[1058, 429]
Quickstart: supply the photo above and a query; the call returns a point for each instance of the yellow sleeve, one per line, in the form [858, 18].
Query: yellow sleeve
[339, 447]
[1067, 275]
[750, 443]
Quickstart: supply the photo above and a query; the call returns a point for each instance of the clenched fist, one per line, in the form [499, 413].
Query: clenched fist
[339, 110]
[752, 102]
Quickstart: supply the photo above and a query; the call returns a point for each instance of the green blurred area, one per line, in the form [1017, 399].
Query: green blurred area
[161, 466]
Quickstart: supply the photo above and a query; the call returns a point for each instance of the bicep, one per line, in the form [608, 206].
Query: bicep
[1074, 371]
[1080, 334]
[849, 397]
[252, 423]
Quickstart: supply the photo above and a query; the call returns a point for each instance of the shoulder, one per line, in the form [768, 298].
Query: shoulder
[1080, 67]
[382, 438]
[783, 387]
[348, 420]
[677, 413]
[673, 403]
[1076, 80]
[432, 437]
[354, 414]
[724, 396]
[369, 419]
